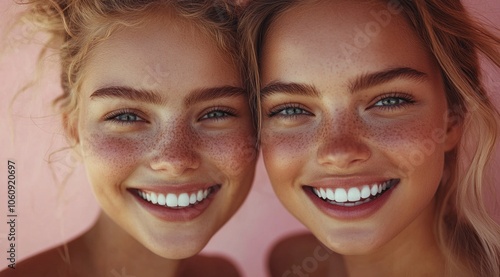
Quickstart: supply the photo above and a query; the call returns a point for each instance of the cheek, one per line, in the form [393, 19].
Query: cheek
[110, 156]
[412, 145]
[234, 154]
[283, 153]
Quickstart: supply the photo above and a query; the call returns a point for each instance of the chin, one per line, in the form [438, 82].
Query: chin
[351, 242]
[178, 254]
[177, 251]
[176, 243]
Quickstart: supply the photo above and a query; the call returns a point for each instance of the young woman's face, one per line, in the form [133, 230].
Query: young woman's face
[166, 135]
[355, 123]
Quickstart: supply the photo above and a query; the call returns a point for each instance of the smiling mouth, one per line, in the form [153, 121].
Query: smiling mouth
[178, 200]
[353, 196]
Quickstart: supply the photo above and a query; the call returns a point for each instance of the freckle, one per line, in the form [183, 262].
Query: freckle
[117, 151]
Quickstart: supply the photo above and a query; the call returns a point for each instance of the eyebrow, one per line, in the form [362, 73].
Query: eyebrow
[129, 94]
[147, 96]
[288, 88]
[362, 82]
[376, 78]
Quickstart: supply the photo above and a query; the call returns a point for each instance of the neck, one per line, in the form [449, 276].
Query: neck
[107, 250]
[413, 252]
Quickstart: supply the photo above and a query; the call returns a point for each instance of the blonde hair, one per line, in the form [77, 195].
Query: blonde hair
[467, 234]
[77, 26]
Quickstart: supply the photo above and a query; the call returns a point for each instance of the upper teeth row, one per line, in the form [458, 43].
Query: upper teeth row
[353, 194]
[173, 200]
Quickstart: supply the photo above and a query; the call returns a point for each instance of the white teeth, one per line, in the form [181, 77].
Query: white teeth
[172, 200]
[161, 199]
[199, 195]
[192, 198]
[154, 198]
[316, 191]
[330, 195]
[340, 195]
[183, 200]
[353, 194]
[323, 193]
[365, 192]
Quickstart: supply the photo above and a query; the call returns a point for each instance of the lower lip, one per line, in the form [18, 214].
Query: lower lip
[178, 214]
[355, 212]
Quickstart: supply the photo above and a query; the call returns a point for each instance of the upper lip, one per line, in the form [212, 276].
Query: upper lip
[174, 188]
[348, 181]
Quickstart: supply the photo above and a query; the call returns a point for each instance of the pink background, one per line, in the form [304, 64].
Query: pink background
[49, 214]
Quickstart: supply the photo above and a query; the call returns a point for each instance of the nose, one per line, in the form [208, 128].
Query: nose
[342, 146]
[175, 152]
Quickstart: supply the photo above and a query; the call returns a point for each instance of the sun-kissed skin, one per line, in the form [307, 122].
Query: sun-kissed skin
[344, 135]
[166, 146]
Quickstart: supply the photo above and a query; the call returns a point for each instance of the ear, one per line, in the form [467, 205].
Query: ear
[453, 131]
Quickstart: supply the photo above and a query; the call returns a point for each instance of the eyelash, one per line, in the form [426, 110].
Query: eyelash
[402, 98]
[276, 111]
[406, 100]
[225, 111]
[113, 117]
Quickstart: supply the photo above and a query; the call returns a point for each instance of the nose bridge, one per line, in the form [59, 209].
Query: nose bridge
[342, 142]
[175, 147]
[342, 123]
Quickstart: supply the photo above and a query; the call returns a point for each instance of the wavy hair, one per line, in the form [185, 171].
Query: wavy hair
[77, 26]
[467, 234]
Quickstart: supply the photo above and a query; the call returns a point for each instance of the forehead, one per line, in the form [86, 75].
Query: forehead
[165, 53]
[337, 37]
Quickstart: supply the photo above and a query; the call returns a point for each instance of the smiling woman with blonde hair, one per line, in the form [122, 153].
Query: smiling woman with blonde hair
[376, 132]
[171, 157]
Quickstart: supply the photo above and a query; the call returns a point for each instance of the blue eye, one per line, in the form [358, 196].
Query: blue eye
[394, 101]
[292, 111]
[124, 117]
[127, 117]
[217, 114]
[288, 111]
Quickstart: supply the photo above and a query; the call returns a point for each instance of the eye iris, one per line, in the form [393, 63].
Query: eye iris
[391, 101]
[215, 114]
[292, 111]
[127, 117]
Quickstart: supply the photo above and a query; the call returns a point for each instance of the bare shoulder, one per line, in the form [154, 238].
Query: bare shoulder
[303, 255]
[48, 263]
[209, 266]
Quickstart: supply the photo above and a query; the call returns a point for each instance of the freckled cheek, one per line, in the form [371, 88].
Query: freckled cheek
[412, 147]
[111, 155]
[234, 153]
[407, 135]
